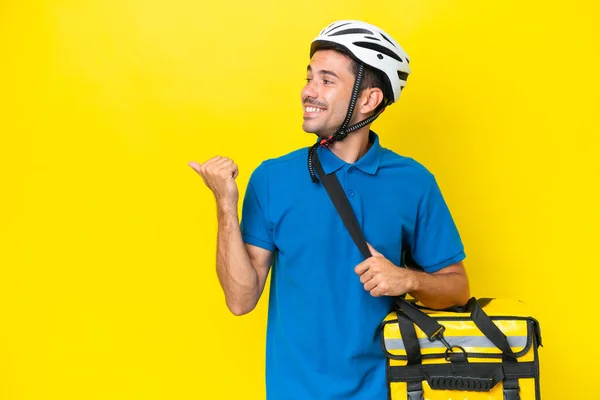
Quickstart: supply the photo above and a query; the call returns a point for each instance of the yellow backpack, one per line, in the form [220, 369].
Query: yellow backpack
[486, 350]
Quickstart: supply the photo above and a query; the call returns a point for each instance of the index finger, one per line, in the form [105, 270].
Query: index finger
[363, 266]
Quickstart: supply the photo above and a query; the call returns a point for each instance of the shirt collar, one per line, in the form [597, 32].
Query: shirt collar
[369, 163]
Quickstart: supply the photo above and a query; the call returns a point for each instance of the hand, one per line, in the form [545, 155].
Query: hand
[381, 277]
[219, 175]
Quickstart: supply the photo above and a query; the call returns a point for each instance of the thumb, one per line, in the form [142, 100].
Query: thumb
[372, 250]
[195, 166]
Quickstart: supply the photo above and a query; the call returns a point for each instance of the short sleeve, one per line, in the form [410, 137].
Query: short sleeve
[436, 242]
[255, 226]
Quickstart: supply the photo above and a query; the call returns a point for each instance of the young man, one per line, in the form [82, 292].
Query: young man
[326, 301]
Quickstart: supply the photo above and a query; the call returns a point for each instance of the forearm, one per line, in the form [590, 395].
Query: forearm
[238, 277]
[440, 290]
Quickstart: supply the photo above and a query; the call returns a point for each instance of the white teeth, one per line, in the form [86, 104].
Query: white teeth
[312, 109]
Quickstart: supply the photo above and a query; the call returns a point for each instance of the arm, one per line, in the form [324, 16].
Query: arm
[445, 288]
[242, 269]
[442, 289]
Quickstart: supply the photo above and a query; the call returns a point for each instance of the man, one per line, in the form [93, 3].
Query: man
[326, 301]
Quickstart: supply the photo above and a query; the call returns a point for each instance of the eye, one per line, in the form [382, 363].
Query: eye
[325, 81]
[308, 80]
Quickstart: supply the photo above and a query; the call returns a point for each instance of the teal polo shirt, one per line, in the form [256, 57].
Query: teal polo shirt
[322, 332]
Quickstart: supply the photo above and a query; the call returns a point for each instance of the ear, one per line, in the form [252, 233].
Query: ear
[370, 99]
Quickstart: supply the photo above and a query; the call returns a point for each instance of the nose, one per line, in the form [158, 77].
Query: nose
[309, 90]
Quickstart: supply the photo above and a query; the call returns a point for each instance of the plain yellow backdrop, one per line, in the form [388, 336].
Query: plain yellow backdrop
[107, 246]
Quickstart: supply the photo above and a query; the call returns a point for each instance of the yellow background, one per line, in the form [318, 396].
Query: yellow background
[107, 247]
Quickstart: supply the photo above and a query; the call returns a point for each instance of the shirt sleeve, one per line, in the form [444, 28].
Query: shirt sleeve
[255, 226]
[436, 242]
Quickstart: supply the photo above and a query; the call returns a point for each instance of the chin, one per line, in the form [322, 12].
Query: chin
[315, 130]
[309, 129]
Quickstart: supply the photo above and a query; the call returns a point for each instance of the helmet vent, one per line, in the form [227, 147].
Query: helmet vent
[336, 27]
[402, 75]
[372, 38]
[386, 38]
[351, 31]
[379, 48]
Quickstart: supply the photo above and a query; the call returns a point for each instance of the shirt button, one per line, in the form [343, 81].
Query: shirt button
[350, 170]
[351, 193]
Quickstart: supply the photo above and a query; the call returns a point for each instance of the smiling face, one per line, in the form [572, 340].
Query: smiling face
[327, 92]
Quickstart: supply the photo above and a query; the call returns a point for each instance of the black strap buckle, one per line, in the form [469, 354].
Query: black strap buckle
[414, 390]
[327, 141]
[511, 394]
[415, 395]
[439, 335]
[511, 389]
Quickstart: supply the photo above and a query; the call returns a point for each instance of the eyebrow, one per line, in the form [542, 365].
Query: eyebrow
[323, 72]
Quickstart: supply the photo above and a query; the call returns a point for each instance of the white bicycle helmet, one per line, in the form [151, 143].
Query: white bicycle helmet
[370, 45]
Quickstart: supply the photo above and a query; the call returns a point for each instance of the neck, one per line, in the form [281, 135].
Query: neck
[353, 147]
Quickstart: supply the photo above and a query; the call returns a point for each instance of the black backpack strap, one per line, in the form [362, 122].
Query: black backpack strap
[409, 337]
[343, 207]
[492, 332]
[428, 325]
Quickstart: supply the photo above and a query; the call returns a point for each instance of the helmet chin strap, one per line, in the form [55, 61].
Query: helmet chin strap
[343, 131]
